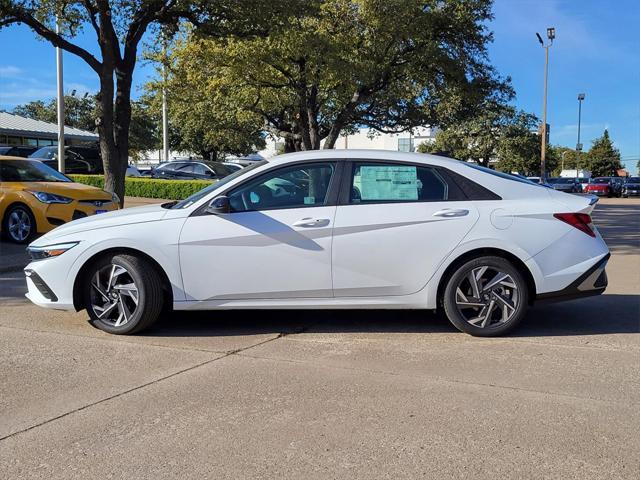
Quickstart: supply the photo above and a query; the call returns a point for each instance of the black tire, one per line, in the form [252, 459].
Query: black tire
[460, 277]
[148, 284]
[24, 212]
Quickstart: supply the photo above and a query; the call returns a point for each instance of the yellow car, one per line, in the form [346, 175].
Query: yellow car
[35, 198]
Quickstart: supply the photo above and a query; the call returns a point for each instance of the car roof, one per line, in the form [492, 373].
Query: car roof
[351, 154]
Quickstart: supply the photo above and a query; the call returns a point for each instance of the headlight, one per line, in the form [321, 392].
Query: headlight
[48, 251]
[46, 197]
[115, 198]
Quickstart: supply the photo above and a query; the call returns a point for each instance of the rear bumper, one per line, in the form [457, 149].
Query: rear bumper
[592, 282]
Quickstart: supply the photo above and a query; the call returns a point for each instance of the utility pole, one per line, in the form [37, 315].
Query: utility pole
[579, 145]
[551, 34]
[60, 103]
[165, 115]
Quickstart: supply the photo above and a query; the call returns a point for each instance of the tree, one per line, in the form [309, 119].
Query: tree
[604, 158]
[499, 132]
[79, 112]
[119, 26]
[198, 123]
[389, 66]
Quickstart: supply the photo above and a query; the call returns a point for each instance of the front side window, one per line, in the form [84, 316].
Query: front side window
[396, 183]
[288, 187]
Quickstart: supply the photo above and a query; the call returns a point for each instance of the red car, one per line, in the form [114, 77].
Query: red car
[599, 186]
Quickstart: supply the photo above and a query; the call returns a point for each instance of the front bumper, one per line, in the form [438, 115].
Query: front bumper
[57, 214]
[592, 282]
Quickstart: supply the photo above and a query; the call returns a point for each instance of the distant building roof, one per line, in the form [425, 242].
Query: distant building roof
[16, 125]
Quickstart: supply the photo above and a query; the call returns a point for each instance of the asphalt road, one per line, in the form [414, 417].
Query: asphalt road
[330, 394]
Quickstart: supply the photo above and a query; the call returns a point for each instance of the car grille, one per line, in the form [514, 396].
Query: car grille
[95, 203]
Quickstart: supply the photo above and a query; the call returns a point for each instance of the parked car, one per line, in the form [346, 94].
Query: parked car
[568, 185]
[35, 198]
[132, 171]
[583, 183]
[603, 186]
[233, 166]
[616, 185]
[537, 180]
[331, 229]
[17, 150]
[631, 187]
[191, 170]
[82, 160]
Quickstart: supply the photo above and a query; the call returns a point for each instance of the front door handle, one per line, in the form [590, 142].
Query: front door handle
[451, 212]
[312, 222]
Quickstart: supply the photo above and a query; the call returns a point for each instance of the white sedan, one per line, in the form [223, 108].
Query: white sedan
[331, 229]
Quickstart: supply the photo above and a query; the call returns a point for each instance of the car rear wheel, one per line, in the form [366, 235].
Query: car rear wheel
[123, 294]
[485, 297]
[19, 224]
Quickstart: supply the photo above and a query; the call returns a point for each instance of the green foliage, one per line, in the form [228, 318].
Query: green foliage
[79, 112]
[388, 66]
[604, 158]
[498, 132]
[149, 187]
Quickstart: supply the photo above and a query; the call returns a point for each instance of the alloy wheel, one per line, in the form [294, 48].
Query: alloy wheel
[19, 225]
[487, 297]
[114, 295]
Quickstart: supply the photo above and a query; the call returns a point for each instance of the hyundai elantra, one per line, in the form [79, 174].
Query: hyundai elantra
[335, 229]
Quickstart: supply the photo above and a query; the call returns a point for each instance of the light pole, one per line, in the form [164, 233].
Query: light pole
[60, 103]
[579, 145]
[551, 34]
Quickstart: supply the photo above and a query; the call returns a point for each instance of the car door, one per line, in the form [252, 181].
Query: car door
[274, 243]
[395, 224]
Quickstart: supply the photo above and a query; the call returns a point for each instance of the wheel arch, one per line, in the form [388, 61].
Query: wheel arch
[78, 282]
[481, 252]
[16, 203]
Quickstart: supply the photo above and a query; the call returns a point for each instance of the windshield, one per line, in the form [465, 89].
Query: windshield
[29, 171]
[506, 176]
[218, 168]
[187, 202]
[599, 180]
[4, 150]
[45, 152]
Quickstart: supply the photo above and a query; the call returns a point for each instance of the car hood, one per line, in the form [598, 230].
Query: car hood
[148, 213]
[77, 191]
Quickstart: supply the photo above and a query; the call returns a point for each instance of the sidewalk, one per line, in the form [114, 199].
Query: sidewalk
[14, 257]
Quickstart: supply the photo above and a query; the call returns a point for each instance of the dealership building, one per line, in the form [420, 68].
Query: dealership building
[17, 130]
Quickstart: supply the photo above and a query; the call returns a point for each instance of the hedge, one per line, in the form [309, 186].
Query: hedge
[149, 187]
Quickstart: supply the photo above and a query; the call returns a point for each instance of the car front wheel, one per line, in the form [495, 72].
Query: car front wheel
[123, 294]
[485, 297]
[19, 224]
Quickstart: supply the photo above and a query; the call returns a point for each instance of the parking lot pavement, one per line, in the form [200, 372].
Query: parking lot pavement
[330, 394]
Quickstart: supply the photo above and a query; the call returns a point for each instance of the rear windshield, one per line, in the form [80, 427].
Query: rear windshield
[599, 180]
[633, 180]
[29, 171]
[506, 176]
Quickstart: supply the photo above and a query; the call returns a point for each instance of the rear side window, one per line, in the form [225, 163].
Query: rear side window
[394, 182]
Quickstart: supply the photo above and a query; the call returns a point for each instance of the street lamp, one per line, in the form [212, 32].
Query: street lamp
[551, 34]
[579, 145]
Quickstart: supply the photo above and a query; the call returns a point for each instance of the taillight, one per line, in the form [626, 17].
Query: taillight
[581, 221]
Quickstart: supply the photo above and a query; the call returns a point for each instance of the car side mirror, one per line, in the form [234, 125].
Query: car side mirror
[219, 206]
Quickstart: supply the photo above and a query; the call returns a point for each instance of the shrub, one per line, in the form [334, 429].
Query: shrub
[149, 187]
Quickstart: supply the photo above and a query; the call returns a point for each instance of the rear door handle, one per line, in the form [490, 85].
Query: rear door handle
[312, 222]
[451, 212]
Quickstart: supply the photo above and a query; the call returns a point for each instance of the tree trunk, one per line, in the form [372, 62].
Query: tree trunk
[113, 172]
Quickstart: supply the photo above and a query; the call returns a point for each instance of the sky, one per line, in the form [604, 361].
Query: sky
[596, 52]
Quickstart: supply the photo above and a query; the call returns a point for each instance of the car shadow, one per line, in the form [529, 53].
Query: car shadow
[606, 314]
